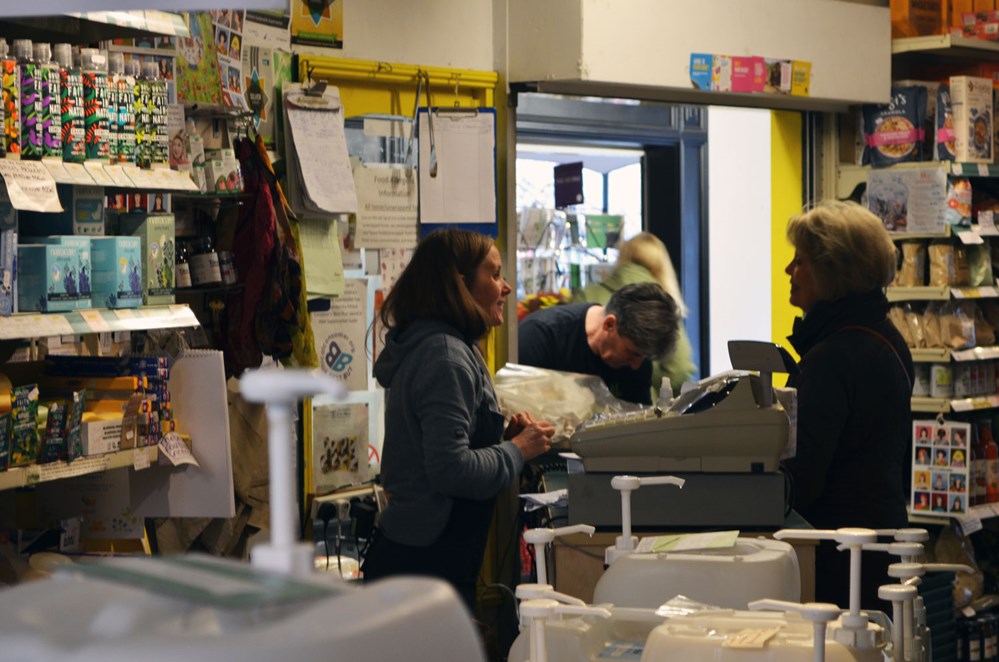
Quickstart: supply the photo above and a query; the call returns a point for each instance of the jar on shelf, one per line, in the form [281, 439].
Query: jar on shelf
[204, 261]
[182, 270]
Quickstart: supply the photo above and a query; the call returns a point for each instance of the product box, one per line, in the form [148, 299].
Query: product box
[916, 18]
[971, 102]
[83, 213]
[721, 74]
[82, 269]
[748, 74]
[156, 232]
[117, 272]
[700, 70]
[222, 171]
[8, 250]
[777, 76]
[929, 119]
[24, 425]
[801, 78]
[100, 437]
[46, 278]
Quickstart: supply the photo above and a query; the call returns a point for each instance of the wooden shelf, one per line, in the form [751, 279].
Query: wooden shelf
[95, 320]
[930, 405]
[930, 354]
[984, 511]
[81, 466]
[945, 45]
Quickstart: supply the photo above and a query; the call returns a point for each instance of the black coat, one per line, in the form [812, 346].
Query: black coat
[854, 418]
[852, 465]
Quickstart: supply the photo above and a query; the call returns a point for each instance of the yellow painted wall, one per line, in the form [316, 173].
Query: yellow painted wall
[786, 179]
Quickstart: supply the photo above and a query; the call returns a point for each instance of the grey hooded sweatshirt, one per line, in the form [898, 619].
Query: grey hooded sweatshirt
[442, 431]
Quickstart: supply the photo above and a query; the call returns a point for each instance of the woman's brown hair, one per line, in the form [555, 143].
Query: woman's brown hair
[437, 284]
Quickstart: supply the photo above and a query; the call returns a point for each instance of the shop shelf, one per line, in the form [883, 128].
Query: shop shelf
[95, 320]
[946, 45]
[930, 405]
[34, 474]
[918, 294]
[971, 404]
[984, 511]
[930, 354]
[975, 354]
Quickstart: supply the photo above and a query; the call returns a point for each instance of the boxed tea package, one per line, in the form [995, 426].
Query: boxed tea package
[46, 278]
[156, 231]
[117, 275]
[971, 100]
[893, 132]
[81, 271]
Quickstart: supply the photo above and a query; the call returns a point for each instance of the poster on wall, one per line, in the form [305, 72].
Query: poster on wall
[227, 28]
[317, 23]
[940, 466]
[341, 335]
[198, 77]
[339, 445]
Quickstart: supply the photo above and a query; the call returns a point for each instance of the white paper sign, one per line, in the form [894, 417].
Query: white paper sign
[30, 186]
[341, 336]
[387, 207]
[320, 146]
[909, 200]
[174, 449]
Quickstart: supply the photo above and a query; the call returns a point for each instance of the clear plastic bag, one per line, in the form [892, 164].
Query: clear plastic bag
[564, 399]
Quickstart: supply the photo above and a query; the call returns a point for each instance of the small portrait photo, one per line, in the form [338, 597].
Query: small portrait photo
[957, 459]
[921, 501]
[940, 439]
[237, 20]
[178, 150]
[939, 481]
[958, 438]
[234, 47]
[232, 79]
[956, 503]
[222, 41]
[941, 458]
[958, 482]
[938, 503]
[923, 434]
[922, 455]
[921, 480]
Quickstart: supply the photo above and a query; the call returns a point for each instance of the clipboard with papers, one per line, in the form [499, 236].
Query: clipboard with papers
[457, 167]
[320, 180]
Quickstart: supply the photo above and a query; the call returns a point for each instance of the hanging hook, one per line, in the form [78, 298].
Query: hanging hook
[416, 108]
[457, 78]
[430, 124]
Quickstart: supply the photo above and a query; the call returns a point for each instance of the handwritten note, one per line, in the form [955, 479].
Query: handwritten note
[321, 256]
[30, 186]
[174, 449]
[387, 206]
[323, 166]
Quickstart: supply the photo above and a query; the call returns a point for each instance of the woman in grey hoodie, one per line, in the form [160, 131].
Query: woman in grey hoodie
[446, 455]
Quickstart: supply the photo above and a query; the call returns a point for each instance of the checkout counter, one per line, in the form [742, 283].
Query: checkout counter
[725, 437]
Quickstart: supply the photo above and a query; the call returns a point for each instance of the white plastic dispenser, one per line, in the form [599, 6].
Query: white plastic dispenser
[540, 538]
[819, 613]
[728, 576]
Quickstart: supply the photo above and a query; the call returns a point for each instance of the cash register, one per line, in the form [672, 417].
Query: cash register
[725, 436]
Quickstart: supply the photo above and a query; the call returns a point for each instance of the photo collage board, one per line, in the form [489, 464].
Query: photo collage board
[940, 460]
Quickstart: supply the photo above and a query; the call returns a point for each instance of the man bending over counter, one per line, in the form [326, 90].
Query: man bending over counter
[616, 342]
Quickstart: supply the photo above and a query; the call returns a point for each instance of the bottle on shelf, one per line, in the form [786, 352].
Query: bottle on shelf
[30, 95]
[182, 271]
[94, 65]
[71, 106]
[50, 115]
[11, 91]
[205, 268]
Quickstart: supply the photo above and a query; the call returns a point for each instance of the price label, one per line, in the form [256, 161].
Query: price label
[95, 320]
[983, 170]
[140, 459]
[957, 169]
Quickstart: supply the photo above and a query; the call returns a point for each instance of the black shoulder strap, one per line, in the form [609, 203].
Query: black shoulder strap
[870, 331]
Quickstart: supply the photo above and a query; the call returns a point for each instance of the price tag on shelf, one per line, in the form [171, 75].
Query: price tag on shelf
[957, 169]
[79, 174]
[986, 222]
[96, 170]
[58, 171]
[95, 320]
[118, 176]
[140, 458]
[983, 170]
[970, 523]
[969, 238]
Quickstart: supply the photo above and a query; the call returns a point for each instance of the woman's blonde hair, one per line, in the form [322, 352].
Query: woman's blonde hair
[848, 247]
[647, 250]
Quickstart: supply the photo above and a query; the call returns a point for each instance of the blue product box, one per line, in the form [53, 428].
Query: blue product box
[46, 280]
[8, 251]
[83, 270]
[83, 213]
[700, 70]
[117, 272]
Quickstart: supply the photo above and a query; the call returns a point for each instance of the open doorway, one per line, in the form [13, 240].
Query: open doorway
[643, 168]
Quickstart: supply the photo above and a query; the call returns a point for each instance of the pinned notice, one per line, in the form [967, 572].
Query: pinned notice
[30, 186]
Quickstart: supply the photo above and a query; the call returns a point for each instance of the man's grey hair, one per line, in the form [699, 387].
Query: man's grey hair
[647, 316]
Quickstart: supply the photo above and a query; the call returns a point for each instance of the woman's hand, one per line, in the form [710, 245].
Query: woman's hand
[518, 423]
[534, 439]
